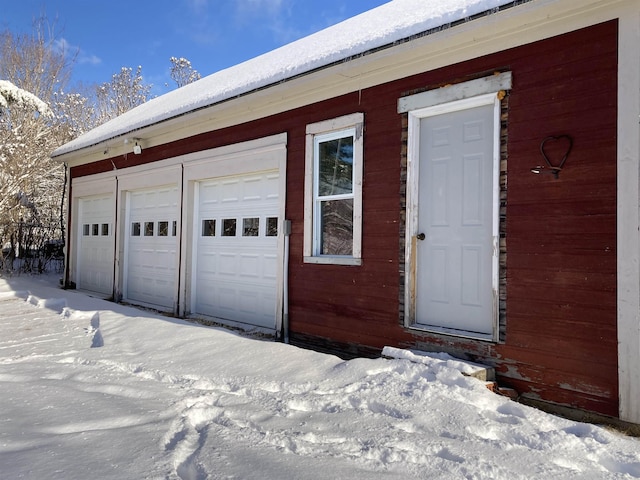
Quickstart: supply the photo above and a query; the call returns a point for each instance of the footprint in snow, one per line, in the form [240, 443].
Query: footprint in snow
[382, 409]
[188, 433]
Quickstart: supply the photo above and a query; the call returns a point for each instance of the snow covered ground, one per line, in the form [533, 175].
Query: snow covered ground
[92, 389]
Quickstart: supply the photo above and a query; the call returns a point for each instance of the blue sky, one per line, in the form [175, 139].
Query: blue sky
[212, 34]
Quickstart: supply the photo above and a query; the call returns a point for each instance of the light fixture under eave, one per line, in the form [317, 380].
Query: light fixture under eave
[137, 147]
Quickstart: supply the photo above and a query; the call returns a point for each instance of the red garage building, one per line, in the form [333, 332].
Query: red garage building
[463, 182]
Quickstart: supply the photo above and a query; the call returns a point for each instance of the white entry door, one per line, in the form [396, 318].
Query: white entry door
[96, 244]
[236, 249]
[152, 244]
[456, 235]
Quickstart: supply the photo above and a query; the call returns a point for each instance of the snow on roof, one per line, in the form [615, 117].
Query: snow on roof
[384, 25]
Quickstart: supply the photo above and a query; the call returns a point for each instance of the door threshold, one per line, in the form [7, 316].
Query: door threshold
[453, 332]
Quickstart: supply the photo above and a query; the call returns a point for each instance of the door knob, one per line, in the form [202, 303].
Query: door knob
[421, 236]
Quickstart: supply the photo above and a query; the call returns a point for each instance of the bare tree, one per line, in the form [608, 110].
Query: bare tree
[35, 70]
[37, 115]
[75, 113]
[125, 91]
[36, 62]
[182, 72]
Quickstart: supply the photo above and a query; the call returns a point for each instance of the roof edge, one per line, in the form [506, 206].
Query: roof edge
[446, 26]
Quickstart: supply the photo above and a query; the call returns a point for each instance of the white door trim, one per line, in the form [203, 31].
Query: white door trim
[413, 150]
[126, 233]
[447, 95]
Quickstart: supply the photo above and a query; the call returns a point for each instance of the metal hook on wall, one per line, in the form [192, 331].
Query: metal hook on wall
[551, 168]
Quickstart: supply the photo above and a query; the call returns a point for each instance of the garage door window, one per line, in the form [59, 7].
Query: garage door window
[135, 229]
[229, 227]
[250, 227]
[209, 228]
[272, 227]
[96, 229]
[333, 191]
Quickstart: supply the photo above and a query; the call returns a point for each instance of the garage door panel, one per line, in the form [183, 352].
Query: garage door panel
[272, 185]
[249, 266]
[147, 289]
[96, 244]
[227, 264]
[152, 251]
[238, 301]
[238, 265]
[270, 266]
[236, 249]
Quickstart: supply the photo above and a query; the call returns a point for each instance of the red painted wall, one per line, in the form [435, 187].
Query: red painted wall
[560, 340]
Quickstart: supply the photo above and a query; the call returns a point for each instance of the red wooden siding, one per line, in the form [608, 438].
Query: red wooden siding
[560, 341]
[561, 234]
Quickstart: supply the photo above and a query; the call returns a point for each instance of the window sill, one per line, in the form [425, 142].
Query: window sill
[334, 260]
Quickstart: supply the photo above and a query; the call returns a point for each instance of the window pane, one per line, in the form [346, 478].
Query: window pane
[209, 228]
[272, 226]
[94, 229]
[250, 227]
[163, 229]
[85, 229]
[174, 228]
[229, 227]
[105, 229]
[148, 229]
[335, 163]
[337, 227]
[135, 229]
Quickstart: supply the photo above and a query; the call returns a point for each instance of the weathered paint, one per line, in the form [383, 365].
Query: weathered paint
[559, 343]
[559, 270]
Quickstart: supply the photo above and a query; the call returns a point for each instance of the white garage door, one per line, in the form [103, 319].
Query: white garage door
[96, 244]
[152, 243]
[236, 249]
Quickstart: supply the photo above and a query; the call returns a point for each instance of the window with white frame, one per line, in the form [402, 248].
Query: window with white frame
[333, 191]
